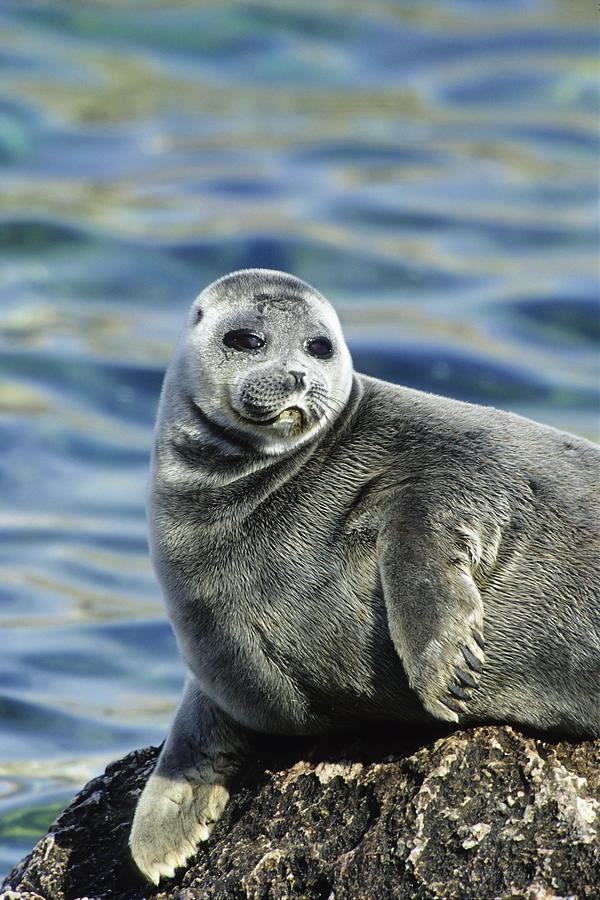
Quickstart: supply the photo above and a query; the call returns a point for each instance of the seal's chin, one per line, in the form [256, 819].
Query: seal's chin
[290, 427]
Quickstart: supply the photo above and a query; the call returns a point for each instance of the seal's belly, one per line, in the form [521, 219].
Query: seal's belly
[293, 643]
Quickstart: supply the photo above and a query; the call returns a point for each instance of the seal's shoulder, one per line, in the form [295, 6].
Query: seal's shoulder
[458, 436]
[443, 414]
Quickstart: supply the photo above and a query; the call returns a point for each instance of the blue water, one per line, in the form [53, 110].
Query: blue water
[430, 167]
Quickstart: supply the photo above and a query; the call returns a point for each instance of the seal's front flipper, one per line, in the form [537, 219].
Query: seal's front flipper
[187, 792]
[435, 614]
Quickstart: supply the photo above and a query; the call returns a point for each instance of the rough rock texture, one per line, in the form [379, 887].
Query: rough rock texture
[483, 813]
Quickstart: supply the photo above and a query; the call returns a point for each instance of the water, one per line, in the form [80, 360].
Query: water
[430, 167]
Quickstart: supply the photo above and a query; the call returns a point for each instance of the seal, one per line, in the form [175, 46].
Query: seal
[335, 549]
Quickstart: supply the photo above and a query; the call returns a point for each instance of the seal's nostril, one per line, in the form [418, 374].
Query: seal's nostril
[299, 378]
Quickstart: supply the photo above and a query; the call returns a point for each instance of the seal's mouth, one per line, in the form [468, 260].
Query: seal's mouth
[292, 415]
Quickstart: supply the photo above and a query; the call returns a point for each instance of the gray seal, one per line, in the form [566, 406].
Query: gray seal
[334, 549]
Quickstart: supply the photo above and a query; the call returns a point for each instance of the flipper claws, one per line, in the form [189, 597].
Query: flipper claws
[451, 705]
[457, 691]
[471, 661]
[464, 677]
[478, 638]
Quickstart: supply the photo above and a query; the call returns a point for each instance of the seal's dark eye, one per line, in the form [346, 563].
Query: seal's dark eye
[243, 340]
[320, 347]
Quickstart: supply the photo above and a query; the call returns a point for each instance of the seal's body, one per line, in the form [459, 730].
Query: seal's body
[333, 548]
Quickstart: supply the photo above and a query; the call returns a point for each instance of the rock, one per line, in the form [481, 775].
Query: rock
[483, 813]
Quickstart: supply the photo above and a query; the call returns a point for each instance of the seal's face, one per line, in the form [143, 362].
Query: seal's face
[265, 361]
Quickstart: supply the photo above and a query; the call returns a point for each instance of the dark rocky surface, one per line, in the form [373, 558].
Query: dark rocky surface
[484, 813]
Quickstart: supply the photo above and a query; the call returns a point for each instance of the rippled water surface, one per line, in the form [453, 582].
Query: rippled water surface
[430, 167]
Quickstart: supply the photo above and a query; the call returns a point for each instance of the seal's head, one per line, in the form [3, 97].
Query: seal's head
[263, 362]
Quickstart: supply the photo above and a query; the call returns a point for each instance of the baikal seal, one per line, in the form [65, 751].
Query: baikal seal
[334, 549]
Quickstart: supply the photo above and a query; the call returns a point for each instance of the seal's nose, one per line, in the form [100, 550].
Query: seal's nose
[298, 378]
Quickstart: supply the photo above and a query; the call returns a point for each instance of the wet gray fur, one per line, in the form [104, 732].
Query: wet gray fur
[335, 549]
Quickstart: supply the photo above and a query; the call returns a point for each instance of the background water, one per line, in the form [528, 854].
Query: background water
[431, 167]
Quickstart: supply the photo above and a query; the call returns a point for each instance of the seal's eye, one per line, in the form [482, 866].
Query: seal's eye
[320, 347]
[243, 340]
